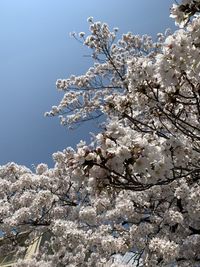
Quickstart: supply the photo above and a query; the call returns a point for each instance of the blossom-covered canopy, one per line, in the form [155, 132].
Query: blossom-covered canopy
[136, 187]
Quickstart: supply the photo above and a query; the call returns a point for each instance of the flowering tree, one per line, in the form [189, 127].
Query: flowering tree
[136, 186]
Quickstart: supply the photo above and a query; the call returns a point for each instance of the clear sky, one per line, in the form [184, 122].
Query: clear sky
[36, 50]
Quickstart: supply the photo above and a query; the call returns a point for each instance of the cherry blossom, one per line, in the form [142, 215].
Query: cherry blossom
[135, 188]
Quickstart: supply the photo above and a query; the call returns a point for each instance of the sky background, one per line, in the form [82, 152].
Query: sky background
[36, 50]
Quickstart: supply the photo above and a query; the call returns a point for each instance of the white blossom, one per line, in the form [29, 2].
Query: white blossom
[135, 187]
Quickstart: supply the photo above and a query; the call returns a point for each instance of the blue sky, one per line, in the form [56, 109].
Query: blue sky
[36, 50]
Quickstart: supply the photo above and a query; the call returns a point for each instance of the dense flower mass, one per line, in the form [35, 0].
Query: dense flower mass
[136, 187]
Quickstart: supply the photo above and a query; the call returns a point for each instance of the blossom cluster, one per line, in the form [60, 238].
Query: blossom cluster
[184, 11]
